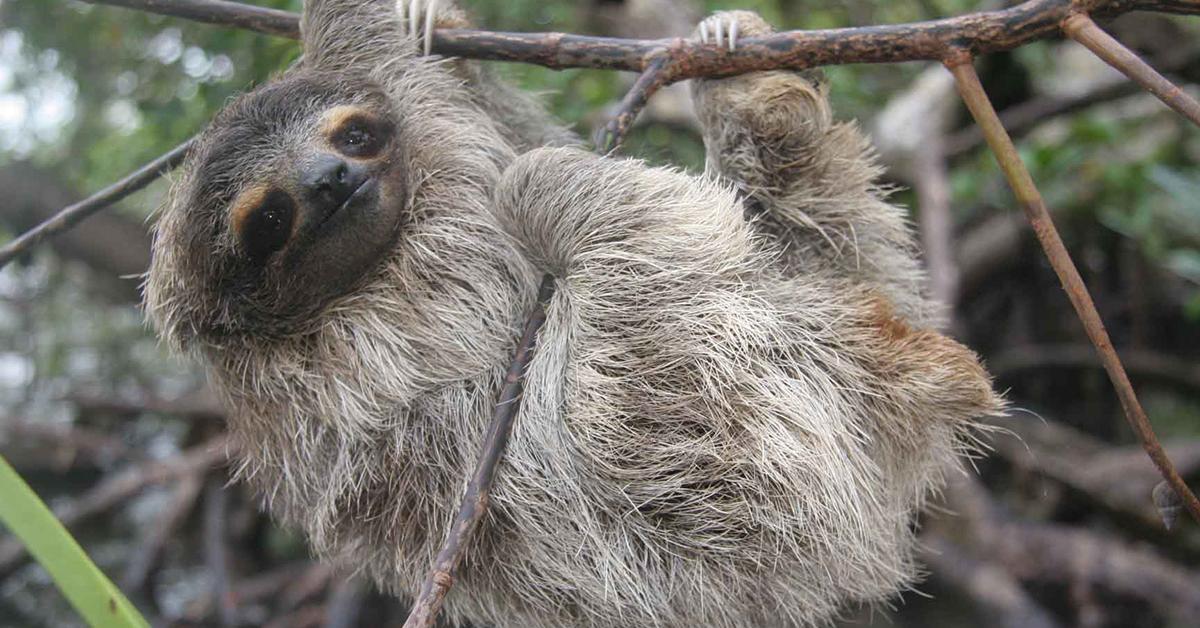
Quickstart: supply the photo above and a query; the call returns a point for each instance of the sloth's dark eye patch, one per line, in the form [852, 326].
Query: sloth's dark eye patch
[360, 136]
[267, 227]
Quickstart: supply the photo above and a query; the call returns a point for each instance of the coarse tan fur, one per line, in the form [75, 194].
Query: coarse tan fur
[731, 417]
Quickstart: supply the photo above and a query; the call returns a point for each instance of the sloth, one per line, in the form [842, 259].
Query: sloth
[739, 400]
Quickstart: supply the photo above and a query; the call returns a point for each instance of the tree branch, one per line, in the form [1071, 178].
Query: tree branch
[219, 12]
[474, 503]
[992, 588]
[671, 59]
[953, 41]
[1056, 252]
[1082, 29]
[977, 33]
[648, 83]
[74, 214]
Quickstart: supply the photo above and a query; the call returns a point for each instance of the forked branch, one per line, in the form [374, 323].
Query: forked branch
[976, 33]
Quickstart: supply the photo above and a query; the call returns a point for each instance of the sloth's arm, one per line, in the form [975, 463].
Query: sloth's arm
[810, 182]
[659, 269]
[576, 213]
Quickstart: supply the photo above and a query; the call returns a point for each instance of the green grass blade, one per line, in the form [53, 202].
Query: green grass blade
[96, 598]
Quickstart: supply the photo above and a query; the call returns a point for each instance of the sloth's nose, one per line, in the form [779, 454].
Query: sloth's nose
[329, 180]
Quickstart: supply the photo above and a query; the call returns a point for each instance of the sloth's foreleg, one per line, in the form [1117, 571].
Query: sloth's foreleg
[809, 183]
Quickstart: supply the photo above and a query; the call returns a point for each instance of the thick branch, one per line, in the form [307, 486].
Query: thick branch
[978, 33]
[671, 60]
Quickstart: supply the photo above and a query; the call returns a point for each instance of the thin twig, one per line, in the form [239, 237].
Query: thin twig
[1043, 226]
[305, 587]
[1043, 552]
[1144, 363]
[1023, 118]
[74, 214]
[220, 12]
[992, 588]
[1082, 29]
[345, 603]
[648, 83]
[216, 552]
[59, 447]
[931, 182]
[475, 500]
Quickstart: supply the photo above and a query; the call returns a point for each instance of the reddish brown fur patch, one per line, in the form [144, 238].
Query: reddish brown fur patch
[923, 359]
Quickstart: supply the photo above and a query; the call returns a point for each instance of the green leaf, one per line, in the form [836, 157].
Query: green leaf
[94, 596]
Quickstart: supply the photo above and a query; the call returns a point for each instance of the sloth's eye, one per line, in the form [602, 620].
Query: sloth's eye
[269, 226]
[359, 138]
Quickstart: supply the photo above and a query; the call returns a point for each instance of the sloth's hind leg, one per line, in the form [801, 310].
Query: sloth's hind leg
[809, 182]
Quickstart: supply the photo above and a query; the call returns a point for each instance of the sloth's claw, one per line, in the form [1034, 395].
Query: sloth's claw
[417, 20]
[719, 29]
[726, 27]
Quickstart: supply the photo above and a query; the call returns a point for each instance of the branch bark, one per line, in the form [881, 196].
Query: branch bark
[74, 214]
[976, 33]
[475, 501]
[1082, 29]
[672, 59]
[1031, 202]
[992, 588]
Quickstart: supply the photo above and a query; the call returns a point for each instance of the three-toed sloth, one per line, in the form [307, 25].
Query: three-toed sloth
[738, 401]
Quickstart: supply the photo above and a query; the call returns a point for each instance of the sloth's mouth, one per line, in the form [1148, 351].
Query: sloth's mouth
[361, 195]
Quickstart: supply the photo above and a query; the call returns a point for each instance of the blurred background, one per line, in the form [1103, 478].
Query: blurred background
[1056, 529]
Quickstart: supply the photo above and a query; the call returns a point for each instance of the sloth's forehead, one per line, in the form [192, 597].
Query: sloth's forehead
[293, 100]
[260, 127]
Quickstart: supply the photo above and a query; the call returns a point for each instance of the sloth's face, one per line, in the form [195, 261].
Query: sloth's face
[296, 192]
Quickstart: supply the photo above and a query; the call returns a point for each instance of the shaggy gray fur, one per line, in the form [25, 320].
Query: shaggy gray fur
[727, 422]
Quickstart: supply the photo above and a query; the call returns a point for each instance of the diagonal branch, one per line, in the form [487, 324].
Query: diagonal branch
[651, 80]
[475, 500]
[72, 215]
[1035, 210]
[1082, 29]
[219, 12]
